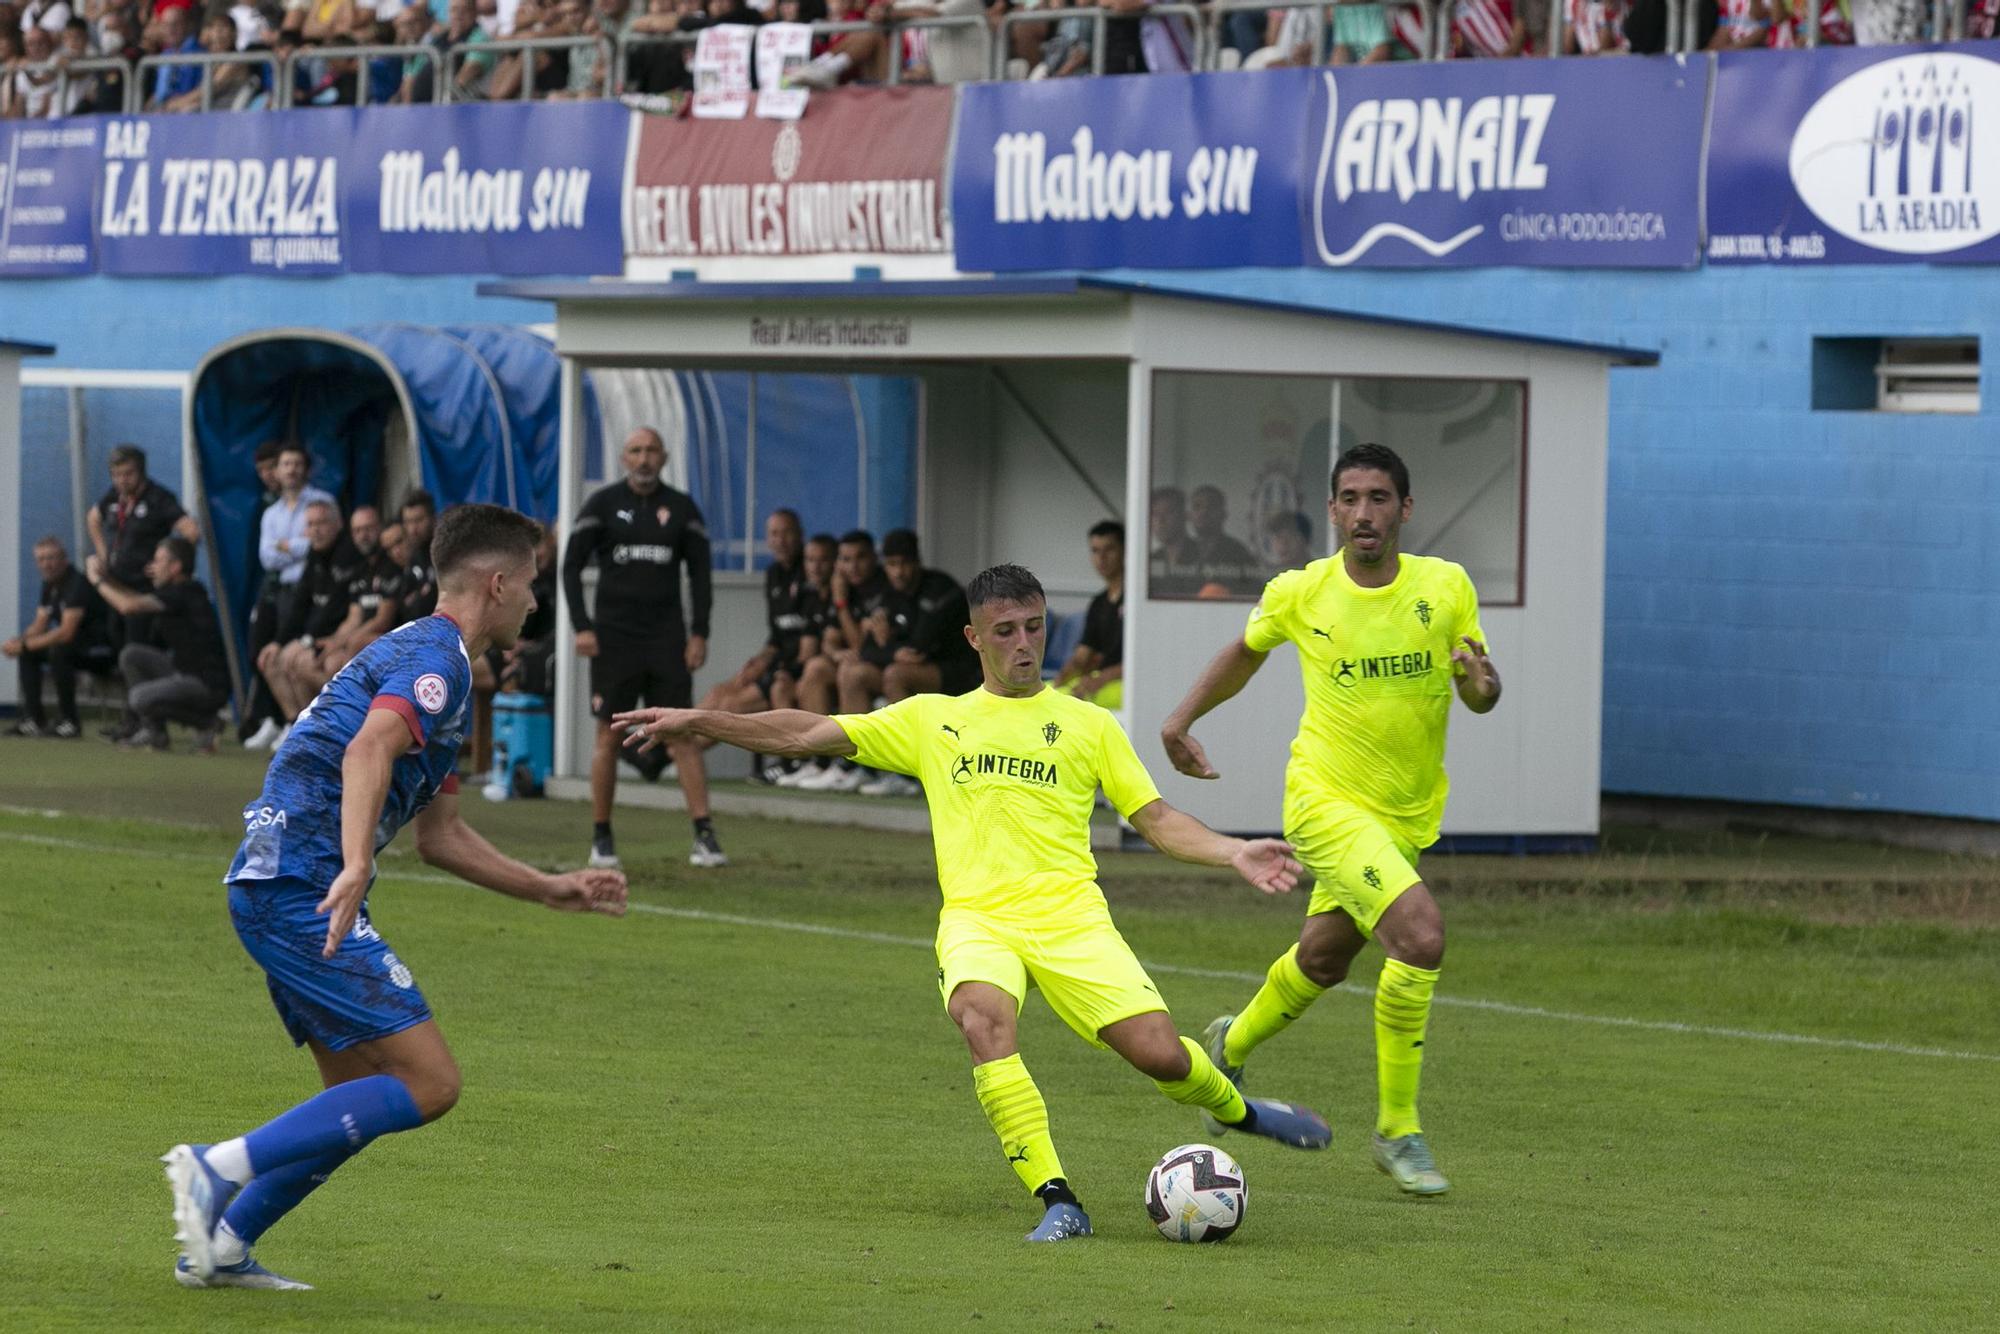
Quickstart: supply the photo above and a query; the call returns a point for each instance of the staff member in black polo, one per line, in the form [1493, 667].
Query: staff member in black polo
[180, 676]
[66, 634]
[128, 524]
[641, 532]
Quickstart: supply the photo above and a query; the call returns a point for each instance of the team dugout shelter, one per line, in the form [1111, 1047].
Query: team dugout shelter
[1208, 426]
[19, 582]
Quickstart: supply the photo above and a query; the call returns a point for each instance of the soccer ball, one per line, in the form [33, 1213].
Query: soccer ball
[1196, 1193]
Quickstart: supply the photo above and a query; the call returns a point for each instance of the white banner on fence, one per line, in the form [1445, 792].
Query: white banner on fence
[722, 72]
[781, 48]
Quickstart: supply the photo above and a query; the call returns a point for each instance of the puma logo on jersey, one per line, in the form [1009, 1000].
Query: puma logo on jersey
[947, 727]
[1323, 635]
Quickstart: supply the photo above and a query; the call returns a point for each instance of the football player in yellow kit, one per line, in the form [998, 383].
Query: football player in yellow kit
[1384, 639]
[1010, 773]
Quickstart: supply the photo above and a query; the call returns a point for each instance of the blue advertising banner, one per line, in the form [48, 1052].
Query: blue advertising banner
[1168, 171]
[1534, 162]
[499, 188]
[1869, 155]
[47, 175]
[227, 192]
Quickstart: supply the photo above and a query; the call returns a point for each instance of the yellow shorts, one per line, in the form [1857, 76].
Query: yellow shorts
[1361, 867]
[1084, 968]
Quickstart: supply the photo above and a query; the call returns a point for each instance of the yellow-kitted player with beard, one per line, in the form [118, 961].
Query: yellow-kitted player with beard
[1384, 641]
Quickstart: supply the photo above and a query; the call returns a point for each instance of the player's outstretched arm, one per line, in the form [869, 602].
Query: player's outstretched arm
[1226, 674]
[1266, 863]
[790, 732]
[446, 841]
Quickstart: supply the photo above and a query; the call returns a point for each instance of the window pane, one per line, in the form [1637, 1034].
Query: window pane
[1462, 441]
[1240, 465]
[1239, 481]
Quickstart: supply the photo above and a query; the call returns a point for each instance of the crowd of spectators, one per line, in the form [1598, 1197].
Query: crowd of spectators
[38, 36]
[327, 585]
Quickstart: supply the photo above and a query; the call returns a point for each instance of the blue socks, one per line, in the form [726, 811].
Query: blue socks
[342, 1119]
[279, 1191]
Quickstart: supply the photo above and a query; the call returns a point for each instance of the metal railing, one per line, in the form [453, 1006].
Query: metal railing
[501, 47]
[209, 62]
[1946, 21]
[289, 76]
[891, 28]
[66, 70]
[1200, 58]
[1218, 11]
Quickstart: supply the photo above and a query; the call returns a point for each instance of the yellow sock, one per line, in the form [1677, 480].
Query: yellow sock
[1285, 995]
[1204, 1087]
[1014, 1105]
[1402, 1010]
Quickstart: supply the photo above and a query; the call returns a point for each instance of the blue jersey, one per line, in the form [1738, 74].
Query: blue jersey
[419, 671]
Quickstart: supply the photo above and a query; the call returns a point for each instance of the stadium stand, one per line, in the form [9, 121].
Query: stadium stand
[124, 57]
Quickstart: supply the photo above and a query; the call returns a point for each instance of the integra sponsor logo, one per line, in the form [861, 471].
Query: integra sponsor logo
[452, 199]
[1347, 671]
[1042, 773]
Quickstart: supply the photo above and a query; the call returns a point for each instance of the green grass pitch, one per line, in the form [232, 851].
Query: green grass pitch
[742, 1107]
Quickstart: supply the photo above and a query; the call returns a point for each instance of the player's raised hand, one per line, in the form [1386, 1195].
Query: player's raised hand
[1481, 677]
[1186, 753]
[1268, 864]
[343, 901]
[587, 891]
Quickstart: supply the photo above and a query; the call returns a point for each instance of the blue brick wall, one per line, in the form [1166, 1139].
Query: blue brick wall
[1800, 605]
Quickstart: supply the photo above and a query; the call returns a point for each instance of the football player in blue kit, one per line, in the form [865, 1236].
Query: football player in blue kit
[375, 751]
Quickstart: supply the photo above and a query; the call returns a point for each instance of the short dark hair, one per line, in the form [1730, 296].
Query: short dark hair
[899, 544]
[269, 450]
[50, 541]
[1372, 456]
[467, 532]
[419, 499]
[125, 454]
[787, 512]
[79, 25]
[181, 550]
[858, 537]
[1108, 528]
[1004, 583]
[823, 540]
[296, 447]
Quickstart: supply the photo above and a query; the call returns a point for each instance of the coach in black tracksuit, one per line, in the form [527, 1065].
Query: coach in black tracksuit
[641, 533]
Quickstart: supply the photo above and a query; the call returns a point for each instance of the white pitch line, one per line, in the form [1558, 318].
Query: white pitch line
[1181, 970]
[1457, 1002]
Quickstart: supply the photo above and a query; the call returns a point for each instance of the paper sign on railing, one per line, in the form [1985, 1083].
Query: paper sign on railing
[781, 48]
[722, 72]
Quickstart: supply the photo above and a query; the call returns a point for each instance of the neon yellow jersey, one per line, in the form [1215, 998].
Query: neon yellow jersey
[1011, 784]
[1378, 683]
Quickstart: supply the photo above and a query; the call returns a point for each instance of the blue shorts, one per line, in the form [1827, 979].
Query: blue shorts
[362, 993]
